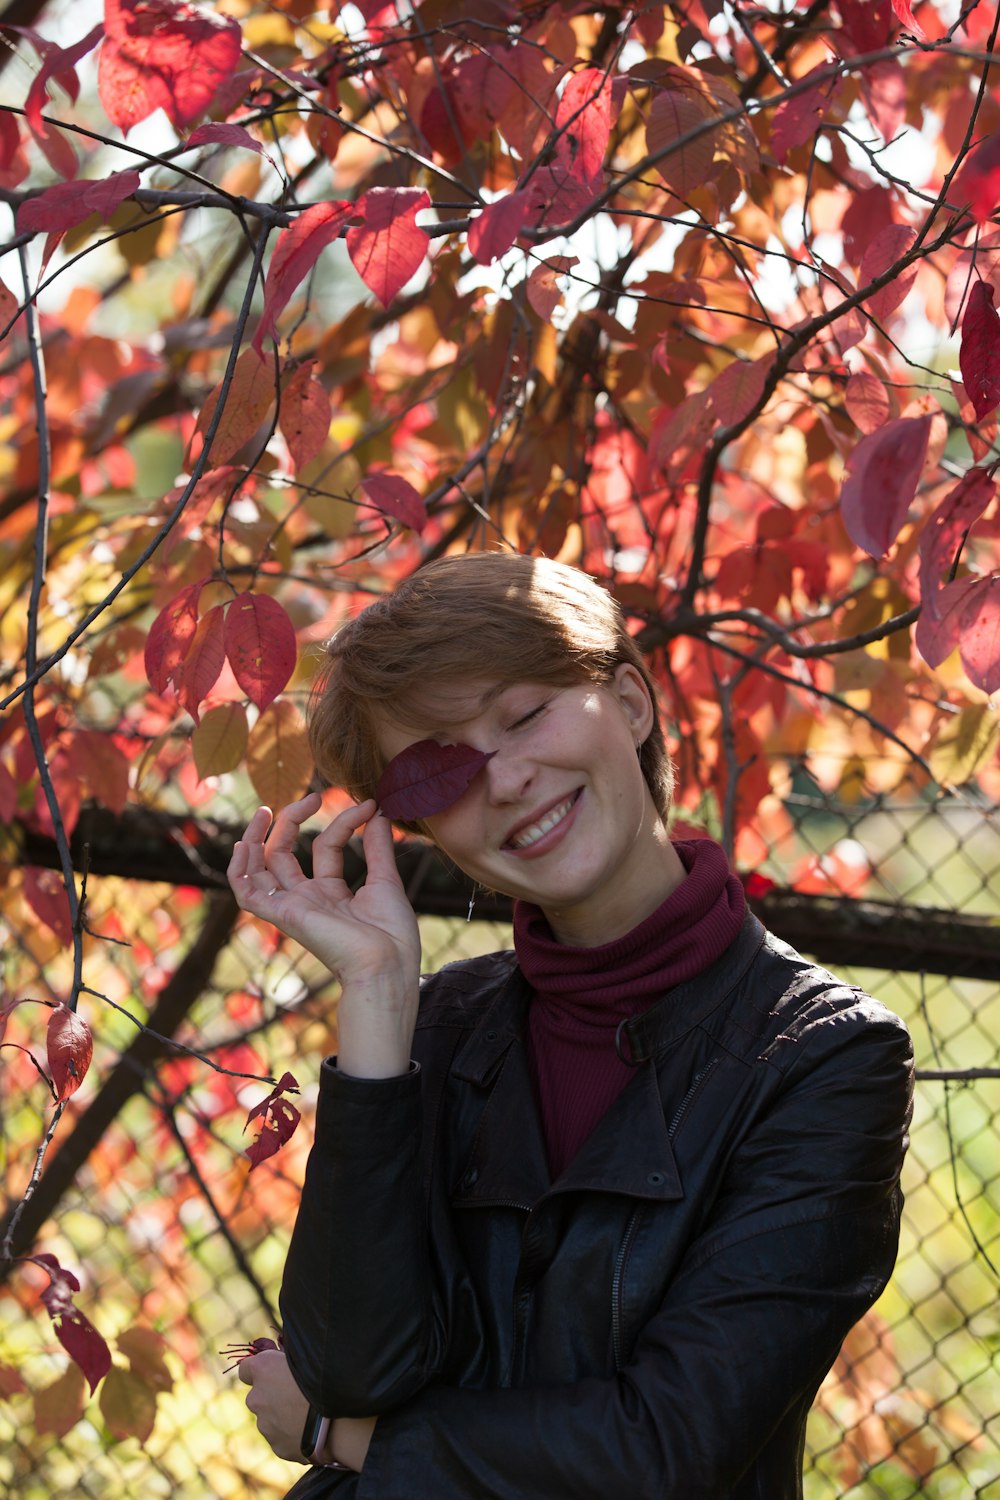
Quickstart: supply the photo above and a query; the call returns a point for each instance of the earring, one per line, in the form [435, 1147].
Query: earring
[472, 902]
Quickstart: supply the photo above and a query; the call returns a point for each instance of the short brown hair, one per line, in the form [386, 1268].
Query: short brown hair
[495, 615]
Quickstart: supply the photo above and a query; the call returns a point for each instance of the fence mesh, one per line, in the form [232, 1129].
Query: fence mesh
[170, 1232]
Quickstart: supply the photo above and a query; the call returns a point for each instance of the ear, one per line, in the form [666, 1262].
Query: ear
[634, 697]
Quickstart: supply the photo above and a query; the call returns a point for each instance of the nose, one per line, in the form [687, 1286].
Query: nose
[508, 776]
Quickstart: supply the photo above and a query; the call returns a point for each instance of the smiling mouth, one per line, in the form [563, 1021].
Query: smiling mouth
[535, 831]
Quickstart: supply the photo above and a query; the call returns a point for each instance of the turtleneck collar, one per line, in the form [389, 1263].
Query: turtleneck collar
[687, 933]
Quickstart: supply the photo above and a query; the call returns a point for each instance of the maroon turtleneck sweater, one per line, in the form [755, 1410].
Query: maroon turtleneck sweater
[582, 994]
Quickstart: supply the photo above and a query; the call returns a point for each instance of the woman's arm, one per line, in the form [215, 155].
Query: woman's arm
[353, 1346]
[356, 1300]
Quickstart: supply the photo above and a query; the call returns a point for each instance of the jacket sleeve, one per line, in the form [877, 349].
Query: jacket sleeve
[800, 1241]
[357, 1314]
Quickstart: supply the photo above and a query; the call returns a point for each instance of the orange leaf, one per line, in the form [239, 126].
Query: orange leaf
[249, 400]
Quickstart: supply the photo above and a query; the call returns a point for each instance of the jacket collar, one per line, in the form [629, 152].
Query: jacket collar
[686, 1005]
[628, 1152]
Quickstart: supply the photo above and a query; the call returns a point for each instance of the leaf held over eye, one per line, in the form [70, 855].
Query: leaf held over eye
[426, 778]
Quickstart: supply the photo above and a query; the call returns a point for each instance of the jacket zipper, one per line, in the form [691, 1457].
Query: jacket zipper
[616, 1286]
[630, 1228]
[693, 1089]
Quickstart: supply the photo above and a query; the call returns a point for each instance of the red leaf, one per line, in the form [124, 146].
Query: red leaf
[945, 529]
[883, 473]
[584, 117]
[797, 120]
[58, 63]
[867, 401]
[690, 166]
[286, 1084]
[224, 135]
[543, 289]
[295, 254]
[883, 89]
[260, 644]
[756, 885]
[8, 306]
[279, 1117]
[75, 1332]
[66, 204]
[979, 353]
[70, 1047]
[13, 162]
[937, 629]
[979, 259]
[904, 14]
[201, 666]
[102, 766]
[170, 635]
[979, 635]
[388, 247]
[498, 226]
[887, 247]
[978, 181]
[11, 1383]
[305, 416]
[426, 777]
[738, 389]
[59, 1406]
[45, 893]
[164, 54]
[396, 496]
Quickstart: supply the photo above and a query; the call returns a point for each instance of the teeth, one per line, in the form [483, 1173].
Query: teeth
[531, 835]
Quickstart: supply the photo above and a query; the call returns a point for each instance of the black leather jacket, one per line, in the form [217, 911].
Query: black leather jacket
[657, 1321]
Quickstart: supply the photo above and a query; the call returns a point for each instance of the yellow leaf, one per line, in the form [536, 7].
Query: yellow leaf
[220, 740]
[128, 1405]
[279, 761]
[964, 745]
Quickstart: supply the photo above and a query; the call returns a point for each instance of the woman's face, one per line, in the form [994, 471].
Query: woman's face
[561, 814]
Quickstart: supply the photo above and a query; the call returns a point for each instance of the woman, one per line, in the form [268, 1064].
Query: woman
[592, 1218]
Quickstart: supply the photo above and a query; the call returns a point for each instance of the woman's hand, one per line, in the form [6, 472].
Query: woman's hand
[276, 1402]
[367, 938]
[281, 1411]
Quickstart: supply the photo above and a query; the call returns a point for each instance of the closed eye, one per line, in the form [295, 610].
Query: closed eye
[527, 718]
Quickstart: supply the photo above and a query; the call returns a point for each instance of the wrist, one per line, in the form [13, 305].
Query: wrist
[375, 1031]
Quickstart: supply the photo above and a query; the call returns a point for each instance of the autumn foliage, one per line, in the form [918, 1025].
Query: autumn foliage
[699, 297]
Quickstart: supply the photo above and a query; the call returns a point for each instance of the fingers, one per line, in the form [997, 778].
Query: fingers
[279, 851]
[380, 854]
[328, 846]
[245, 1369]
[262, 866]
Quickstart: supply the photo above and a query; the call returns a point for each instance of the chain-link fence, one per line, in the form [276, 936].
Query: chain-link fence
[170, 1232]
